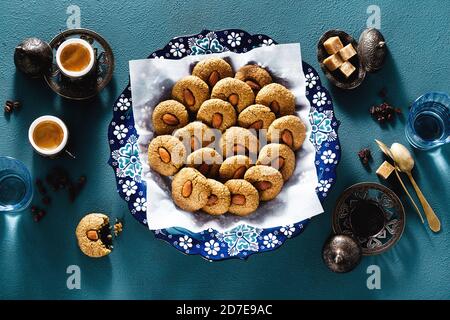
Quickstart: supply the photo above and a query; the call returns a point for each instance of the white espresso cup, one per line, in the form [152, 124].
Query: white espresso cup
[65, 46]
[48, 135]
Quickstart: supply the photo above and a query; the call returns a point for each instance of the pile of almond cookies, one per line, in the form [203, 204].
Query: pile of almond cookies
[227, 138]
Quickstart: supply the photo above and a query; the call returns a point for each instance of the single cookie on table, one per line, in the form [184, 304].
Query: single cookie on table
[289, 130]
[191, 91]
[235, 91]
[239, 141]
[217, 114]
[219, 199]
[195, 135]
[244, 197]
[234, 167]
[94, 236]
[212, 70]
[267, 180]
[278, 156]
[190, 189]
[256, 116]
[255, 76]
[206, 160]
[169, 115]
[166, 155]
[278, 98]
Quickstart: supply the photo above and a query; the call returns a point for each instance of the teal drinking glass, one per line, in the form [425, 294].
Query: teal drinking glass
[16, 191]
[429, 121]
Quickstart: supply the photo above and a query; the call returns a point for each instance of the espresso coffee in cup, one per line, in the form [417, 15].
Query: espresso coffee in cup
[48, 135]
[75, 57]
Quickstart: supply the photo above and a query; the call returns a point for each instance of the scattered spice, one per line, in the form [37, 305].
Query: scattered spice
[365, 156]
[384, 112]
[58, 179]
[37, 213]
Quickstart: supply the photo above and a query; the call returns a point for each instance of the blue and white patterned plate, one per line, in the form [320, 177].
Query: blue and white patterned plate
[243, 240]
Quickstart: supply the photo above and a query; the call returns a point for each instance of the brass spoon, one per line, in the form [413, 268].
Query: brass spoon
[405, 162]
[388, 152]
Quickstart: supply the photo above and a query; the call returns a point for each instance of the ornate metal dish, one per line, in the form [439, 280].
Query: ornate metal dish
[97, 79]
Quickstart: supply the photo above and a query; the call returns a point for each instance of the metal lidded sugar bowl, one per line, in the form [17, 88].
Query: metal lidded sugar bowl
[370, 55]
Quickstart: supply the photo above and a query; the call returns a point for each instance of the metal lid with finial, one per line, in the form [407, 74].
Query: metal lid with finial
[341, 253]
[372, 48]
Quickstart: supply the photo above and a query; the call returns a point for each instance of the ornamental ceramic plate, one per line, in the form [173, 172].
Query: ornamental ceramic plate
[243, 240]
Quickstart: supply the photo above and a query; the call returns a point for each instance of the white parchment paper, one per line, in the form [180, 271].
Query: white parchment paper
[152, 81]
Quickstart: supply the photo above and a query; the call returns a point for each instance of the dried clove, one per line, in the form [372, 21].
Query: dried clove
[365, 156]
[38, 213]
[384, 112]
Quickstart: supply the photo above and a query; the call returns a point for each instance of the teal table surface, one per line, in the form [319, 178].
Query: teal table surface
[34, 256]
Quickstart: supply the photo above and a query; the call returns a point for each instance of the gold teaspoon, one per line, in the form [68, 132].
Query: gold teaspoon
[388, 153]
[405, 162]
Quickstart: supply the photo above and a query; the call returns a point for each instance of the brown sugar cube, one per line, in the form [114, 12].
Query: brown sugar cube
[347, 69]
[333, 45]
[347, 52]
[333, 62]
[385, 170]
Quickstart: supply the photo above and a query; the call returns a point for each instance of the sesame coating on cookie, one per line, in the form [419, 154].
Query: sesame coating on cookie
[278, 98]
[190, 189]
[235, 91]
[166, 155]
[169, 115]
[212, 70]
[191, 91]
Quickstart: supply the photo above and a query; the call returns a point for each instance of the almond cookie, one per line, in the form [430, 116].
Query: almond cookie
[267, 180]
[235, 91]
[190, 189]
[244, 197]
[195, 135]
[279, 99]
[234, 167]
[255, 76]
[278, 156]
[256, 116]
[217, 114]
[205, 160]
[212, 70]
[168, 116]
[166, 155]
[191, 91]
[219, 199]
[237, 140]
[94, 236]
[289, 130]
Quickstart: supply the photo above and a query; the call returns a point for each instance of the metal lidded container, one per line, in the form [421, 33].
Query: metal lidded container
[371, 54]
[341, 253]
